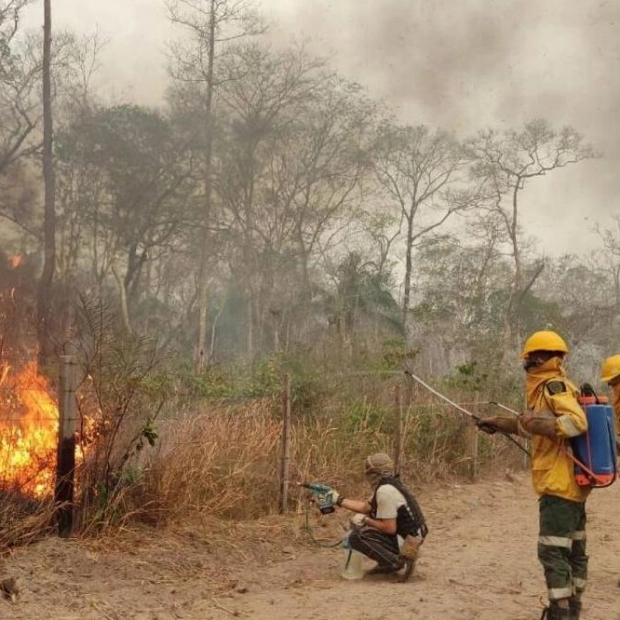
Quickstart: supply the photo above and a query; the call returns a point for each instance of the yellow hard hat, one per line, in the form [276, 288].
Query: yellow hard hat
[610, 368]
[544, 341]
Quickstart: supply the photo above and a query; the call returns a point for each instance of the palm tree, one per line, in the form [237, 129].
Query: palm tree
[362, 294]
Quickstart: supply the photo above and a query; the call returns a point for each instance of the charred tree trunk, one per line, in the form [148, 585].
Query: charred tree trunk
[44, 298]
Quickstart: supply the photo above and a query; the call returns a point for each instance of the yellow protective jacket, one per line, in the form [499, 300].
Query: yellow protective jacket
[550, 393]
[615, 391]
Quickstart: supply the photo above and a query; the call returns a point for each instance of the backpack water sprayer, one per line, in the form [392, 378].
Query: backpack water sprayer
[596, 451]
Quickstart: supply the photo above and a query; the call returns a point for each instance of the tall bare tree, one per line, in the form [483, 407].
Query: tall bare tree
[78, 181]
[611, 244]
[419, 171]
[19, 78]
[258, 195]
[211, 25]
[506, 162]
[308, 182]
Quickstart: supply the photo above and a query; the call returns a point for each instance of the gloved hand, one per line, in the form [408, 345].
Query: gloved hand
[487, 425]
[333, 496]
[500, 423]
[358, 520]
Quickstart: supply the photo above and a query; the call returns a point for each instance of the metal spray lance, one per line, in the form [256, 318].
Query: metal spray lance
[413, 377]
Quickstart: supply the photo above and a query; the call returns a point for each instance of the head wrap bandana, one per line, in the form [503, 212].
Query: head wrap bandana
[537, 376]
[378, 466]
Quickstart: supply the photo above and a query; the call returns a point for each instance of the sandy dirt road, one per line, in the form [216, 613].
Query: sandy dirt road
[478, 563]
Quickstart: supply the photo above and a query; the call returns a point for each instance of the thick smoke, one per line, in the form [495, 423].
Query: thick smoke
[475, 63]
[458, 64]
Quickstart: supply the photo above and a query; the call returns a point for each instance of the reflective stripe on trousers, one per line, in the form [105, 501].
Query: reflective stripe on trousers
[562, 546]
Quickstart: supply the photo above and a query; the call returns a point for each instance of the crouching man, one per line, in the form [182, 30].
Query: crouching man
[391, 511]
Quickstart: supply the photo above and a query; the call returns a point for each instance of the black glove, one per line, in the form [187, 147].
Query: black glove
[487, 425]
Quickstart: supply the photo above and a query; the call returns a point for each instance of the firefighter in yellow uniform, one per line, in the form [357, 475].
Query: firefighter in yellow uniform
[553, 417]
[610, 374]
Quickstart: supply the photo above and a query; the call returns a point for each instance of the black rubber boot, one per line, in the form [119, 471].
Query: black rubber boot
[553, 612]
[574, 609]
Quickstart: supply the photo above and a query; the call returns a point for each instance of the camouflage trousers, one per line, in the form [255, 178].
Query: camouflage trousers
[562, 546]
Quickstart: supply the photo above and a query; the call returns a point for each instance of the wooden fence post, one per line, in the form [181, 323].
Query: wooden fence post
[398, 427]
[474, 434]
[65, 463]
[474, 452]
[286, 443]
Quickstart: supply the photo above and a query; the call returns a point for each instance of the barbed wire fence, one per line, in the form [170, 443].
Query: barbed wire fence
[327, 436]
[428, 439]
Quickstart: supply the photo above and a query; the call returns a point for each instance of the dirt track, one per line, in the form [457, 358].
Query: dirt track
[479, 562]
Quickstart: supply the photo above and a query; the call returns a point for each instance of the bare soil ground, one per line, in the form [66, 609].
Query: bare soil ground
[479, 562]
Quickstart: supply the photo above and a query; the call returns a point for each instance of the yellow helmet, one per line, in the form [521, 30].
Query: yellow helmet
[610, 368]
[544, 341]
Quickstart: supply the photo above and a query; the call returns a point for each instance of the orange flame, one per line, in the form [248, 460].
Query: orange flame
[16, 261]
[28, 432]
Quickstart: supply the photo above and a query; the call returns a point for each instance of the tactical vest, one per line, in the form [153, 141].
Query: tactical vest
[409, 520]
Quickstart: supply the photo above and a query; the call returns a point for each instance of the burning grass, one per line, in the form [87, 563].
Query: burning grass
[28, 432]
[28, 442]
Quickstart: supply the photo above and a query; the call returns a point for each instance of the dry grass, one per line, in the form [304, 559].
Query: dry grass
[222, 462]
[23, 520]
[225, 461]
[218, 469]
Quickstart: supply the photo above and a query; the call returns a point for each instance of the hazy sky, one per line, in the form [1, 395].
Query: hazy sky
[459, 64]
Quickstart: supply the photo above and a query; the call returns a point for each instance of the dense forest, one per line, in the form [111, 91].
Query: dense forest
[270, 205]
